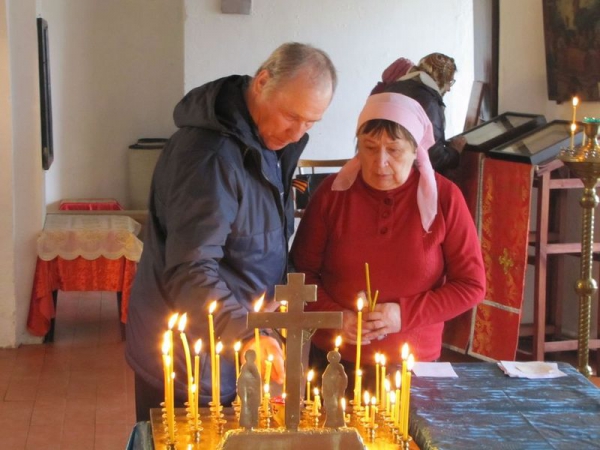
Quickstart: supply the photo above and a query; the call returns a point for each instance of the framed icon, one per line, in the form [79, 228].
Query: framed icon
[45, 96]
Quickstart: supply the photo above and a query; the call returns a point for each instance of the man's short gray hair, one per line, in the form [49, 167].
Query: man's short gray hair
[291, 58]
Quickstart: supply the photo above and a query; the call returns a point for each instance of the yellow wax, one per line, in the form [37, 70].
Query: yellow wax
[316, 403]
[373, 410]
[269, 365]
[406, 409]
[387, 397]
[397, 408]
[196, 386]
[211, 336]
[368, 278]
[218, 378]
[377, 376]
[188, 366]
[166, 373]
[367, 399]
[358, 338]
[171, 408]
[357, 388]
[381, 400]
[257, 348]
[237, 366]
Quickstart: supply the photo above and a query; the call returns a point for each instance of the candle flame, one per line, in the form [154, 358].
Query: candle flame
[386, 383]
[316, 391]
[168, 360]
[258, 303]
[219, 347]
[166, 345]
[344, 404]
[575, 101]
[367, 397]
[359, 373]
[573, 127]
[270, 358]
[377, 358]
[373, 400]
[237, 346]
[410, 363]
[393, 398]
[212, 307]
[182, 322]
[266, 388]
[397, 379]
[283, 396]
[359, 303]
[382, 359]
[405, 351]
[311, 375]
[338, 341]
[173, 320]
[193, 388]
[198, 346]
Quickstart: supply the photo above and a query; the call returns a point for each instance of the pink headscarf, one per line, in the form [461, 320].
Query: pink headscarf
[407, 112]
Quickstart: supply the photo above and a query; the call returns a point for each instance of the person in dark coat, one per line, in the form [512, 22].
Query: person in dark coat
[427, 83]
[221, 214]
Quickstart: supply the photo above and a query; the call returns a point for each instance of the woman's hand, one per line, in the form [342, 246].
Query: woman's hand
[385, 319]
[350, 327]
[268, 346]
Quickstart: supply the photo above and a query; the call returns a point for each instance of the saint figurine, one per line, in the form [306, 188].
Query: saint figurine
[248, 387]
[334, 386]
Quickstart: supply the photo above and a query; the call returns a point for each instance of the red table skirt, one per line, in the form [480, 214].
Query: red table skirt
[79, 274]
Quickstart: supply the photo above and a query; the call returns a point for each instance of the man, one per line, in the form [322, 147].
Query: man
[221, 213]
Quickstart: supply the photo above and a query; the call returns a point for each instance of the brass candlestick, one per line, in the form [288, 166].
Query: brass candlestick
[584, 161]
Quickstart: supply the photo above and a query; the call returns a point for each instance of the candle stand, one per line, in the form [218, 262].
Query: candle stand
[584, 162]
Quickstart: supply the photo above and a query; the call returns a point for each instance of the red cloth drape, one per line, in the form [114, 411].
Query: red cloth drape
[79, 274]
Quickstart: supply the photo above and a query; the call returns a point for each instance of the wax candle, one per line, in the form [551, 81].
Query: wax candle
[194, 408]
[381, 400]
[573, 129]
[188, 360]
[172, 323]
[316, 402]
[171, 408]
[368, 279]
[236, 348]
[257, 306]
[283, 307]
[266, 398]
[309, 378]
[393, 407]
[373, 410]
[387, 396]
[338, 343]
[397, 409]
[377, 373]
[403, 384]
[575, 103]
[218, 349]
[359, 306]
[357, 388]
[410, 363]
[268, 367]
[211, 336]
[367, 398]
[197, 349]
[166, 368]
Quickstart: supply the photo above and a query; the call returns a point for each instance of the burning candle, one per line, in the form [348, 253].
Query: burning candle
[410, 364]
[403, 385]
[188, 360]
[316, 402]
[338, 343]
[373, 410]
[357, 388]
[218, 349]
[575, 103]
[377, 372]
[573, 129]
[197, 349]
[397, 396]
[367, 399]
[381, 400]
[387, 396]
[393, 407]
[283, 308]
[368, 279]
[266, 398]
[211, 336]
[309, 378]
[269, 365]
[236, 348]
[172, 322]
[257, 307]
[359, 306]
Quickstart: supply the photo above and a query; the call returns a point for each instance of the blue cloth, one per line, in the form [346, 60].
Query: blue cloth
[483, 408]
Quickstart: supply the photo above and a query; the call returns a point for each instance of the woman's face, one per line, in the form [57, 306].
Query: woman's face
[385, 162]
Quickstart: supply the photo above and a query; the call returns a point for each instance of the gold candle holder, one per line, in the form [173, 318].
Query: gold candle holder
[584, 161]
[405, 443]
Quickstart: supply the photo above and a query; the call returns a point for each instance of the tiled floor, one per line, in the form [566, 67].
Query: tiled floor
[76, 393]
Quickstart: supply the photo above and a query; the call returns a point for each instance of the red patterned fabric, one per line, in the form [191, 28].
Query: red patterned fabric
[80, 274]
[90, 204]
[502, 212]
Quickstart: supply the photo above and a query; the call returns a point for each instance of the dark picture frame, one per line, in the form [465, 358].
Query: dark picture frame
[572, 49]
[45, 94]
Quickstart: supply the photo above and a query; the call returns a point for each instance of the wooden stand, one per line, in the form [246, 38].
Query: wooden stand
[552, 181]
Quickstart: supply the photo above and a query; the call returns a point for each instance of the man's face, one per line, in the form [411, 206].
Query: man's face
[284, 113]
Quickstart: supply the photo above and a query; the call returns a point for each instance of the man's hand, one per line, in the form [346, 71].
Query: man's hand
[458, 143]
[350, 327]
[385, 319]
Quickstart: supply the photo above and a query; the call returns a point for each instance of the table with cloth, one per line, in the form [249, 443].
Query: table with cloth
[483, 408]
[82, 253]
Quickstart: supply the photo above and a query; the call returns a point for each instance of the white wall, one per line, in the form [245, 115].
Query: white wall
[117, 72]
[522, 88]
[362, 38]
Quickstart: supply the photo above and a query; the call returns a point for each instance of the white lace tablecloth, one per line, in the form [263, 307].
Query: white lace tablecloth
[89, 236]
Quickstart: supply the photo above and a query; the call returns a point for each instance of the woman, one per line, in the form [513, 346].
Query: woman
[388, 208]
[427, 83]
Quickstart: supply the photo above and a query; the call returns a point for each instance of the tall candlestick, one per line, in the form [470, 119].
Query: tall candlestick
[197, 349]
[373, 410]
[266, 398]
[211, 336]
[166, 368]
[575, 103]
[283, 308]
[403, 387]
[257, 307]
[393, 407]
[309, 378]
[397, 409]
[573, 129]
[377, 373]
[367, 398]
[368, 279]
[218, 349]
[172, 323]
[357, 388]
[381, 400]
[188, 361]
[316, 402]
[411, 362]
[338, 343]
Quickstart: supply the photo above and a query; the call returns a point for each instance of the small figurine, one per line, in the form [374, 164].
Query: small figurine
[248, 387]
[334, 386]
